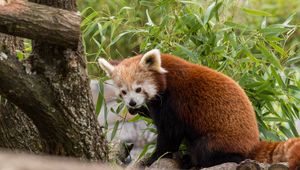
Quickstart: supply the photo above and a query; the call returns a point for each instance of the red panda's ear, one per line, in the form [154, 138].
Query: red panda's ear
[106, 66]
[152, 61]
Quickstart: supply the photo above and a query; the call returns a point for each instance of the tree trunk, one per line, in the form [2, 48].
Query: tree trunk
[17, 131]
[53, 90]
[65, 71]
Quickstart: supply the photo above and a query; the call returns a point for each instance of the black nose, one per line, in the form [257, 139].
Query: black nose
[132, 103]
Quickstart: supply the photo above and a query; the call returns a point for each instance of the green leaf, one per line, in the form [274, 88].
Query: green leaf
[286, 131]
[256, 12]
[294, 87]
[279, 49]
[147, 3]
[89, 18]
[236, 25]
[100, 99]
[293, 128]
[254, 84]
[135, 118]
[277, 77]
[20, 54]
[269, 55]
[264, 23]
[153, 130]
[273, 30]
[293, 60]
[120, 107]
[144, 151]
[113, 133]
[211, 11]
[289, 19]
[116, 39]
[274, 119]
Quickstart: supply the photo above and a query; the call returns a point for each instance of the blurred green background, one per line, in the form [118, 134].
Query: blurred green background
[256, 42]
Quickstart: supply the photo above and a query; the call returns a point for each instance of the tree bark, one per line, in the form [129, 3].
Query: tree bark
[34, 21]
[65, 71]
[53, 90]
[17, 131]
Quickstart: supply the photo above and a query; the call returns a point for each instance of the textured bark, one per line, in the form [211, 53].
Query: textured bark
[63, 113]
[53, 91]
[66, 74]
[34, 21]
[10, 43]
[17, 132]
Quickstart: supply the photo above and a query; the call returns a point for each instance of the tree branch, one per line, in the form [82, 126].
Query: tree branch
[17, 131]
[34, 21]
[31, 93]
[34, 96]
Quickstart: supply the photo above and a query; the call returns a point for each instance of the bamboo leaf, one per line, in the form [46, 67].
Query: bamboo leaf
[269, 55]
[256, 12]
[113, 134]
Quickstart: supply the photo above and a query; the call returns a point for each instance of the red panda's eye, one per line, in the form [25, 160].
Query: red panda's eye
[138, 90]
[123, 92]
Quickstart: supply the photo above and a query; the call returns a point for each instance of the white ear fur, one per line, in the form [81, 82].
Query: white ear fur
[106, 66]
[152, 60]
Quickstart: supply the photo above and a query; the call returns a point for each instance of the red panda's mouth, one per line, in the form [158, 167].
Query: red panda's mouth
[134, 107]
[133, 111]
[141, 111]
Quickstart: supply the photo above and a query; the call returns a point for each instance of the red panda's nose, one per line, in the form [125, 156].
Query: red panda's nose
[132, 103]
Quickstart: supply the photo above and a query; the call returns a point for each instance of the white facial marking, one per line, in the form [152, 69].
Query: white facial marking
[149, 88]
[137, 94]
[139, 99]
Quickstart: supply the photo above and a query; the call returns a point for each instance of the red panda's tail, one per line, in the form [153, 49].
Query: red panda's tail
[274, 152]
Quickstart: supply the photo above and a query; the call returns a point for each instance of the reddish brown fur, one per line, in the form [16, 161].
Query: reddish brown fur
[275, 152]
[294, 154]
[214, 106]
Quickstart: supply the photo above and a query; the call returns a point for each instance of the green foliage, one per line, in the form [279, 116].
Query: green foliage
[26, 51]
[255, 43]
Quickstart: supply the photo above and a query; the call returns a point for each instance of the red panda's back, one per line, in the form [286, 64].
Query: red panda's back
[211, 103]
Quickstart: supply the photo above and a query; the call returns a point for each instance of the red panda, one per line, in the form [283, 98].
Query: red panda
[192, 102]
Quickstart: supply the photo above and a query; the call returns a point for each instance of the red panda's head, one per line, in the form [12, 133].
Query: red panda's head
[137, 79]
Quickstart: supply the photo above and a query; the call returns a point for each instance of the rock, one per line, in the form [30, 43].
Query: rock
[279, 166]
[224, 166]
[248, 165]
[164, 163]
